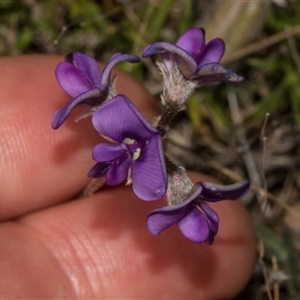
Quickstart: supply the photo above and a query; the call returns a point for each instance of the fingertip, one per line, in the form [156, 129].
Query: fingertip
[114, 252]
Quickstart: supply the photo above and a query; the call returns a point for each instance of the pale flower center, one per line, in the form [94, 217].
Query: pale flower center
[133, 148]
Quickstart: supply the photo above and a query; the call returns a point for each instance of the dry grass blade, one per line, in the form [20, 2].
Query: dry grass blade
[261, 45]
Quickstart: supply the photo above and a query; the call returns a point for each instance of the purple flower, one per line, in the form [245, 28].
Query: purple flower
[196, 60]
[137, 153]
[195, 219]
[79, 76]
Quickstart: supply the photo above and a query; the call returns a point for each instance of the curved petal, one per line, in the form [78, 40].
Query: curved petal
[162, 218]
[156, 48]
[119, 119]
[192, 41]
[215, 72]
[71, 80]
[212, 52]
[212, 217]
[118, 171]
[213, 192]
[195, 226]
[105, 152]
[99, 170]
[149, 174]
[88, 66]
[116, 58]
[184, 59]
[85, 98]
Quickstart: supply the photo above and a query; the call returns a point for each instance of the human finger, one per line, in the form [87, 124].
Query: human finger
[99, 247]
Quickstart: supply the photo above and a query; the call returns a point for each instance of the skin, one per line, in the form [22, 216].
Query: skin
[99, 246]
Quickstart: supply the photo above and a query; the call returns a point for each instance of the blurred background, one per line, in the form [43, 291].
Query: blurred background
[231, 131]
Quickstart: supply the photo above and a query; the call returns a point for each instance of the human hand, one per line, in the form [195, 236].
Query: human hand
[95, 247]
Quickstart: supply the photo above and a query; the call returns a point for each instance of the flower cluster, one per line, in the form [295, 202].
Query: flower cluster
[79, 76]
[134, 151]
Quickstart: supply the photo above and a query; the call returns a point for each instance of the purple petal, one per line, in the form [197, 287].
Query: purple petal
[212, 52]
[71, 80]
[118, 171]
[87, 65]
[212, 217]
[99, 170]
[213, 192]
[185, 61]
[105, 152]
[105, 80]
[156, 48]
[195, 227]
[215, 72]
[149, 174]
[192, 41]
[162, 218]
[169, 61]
[119, 119]
[93, 95]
